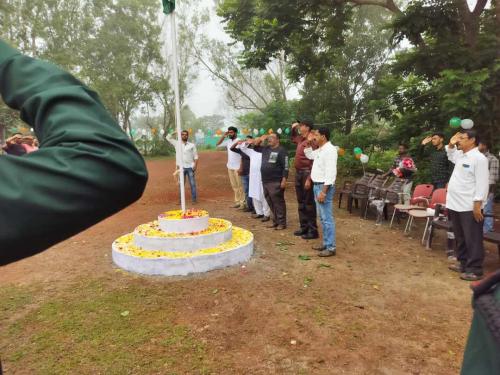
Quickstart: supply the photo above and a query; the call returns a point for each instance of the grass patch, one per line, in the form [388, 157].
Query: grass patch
[13, 298]
[84, 331]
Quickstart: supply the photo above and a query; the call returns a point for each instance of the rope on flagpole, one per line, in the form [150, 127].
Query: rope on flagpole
[179, 157]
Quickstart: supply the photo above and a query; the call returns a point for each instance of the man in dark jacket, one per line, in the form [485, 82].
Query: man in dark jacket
[86, 169]
[274, 171]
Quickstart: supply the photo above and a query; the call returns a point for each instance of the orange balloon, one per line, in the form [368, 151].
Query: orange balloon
[341, 151]
[270, 131]
[154, 130]
[358, 156]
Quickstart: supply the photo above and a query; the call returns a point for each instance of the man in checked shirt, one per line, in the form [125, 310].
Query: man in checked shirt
[493, 167]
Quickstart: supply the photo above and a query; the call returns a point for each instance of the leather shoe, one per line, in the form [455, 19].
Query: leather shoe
[266, 218]
[319, 248]
[280, 227]
[299, 232]
[272, 226]
[310, 236]
[255, 216]
[328, 252]
[456, 268]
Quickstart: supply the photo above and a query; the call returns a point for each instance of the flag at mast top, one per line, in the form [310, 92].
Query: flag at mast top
[168, 6]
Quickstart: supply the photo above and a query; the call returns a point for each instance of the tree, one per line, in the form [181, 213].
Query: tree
[452, 46]
[246, 89]
[340, 92]
[121, 54]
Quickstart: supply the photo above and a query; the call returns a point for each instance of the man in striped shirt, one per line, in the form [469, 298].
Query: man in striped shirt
[493, 167]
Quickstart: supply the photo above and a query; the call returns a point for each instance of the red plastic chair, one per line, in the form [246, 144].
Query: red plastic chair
[438, 198]
[421, 192]
[421, 196]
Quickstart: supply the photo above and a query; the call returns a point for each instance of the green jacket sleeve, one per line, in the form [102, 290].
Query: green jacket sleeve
[86, 168]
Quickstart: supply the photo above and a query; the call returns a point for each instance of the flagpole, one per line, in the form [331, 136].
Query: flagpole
[178, 150]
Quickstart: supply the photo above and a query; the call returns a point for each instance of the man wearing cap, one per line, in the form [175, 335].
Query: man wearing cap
[305, 196]
[86, 169]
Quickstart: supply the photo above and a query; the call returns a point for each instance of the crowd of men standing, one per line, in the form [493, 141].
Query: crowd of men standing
[258, 170]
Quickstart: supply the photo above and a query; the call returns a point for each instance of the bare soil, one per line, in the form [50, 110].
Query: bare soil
[383, 305]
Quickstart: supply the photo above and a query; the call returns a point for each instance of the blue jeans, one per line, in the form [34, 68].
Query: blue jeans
[192, 182]
[325, 211]
[245, 181]
[489, 222]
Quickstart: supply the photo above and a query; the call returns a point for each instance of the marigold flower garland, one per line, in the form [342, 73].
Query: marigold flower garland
[152, 229]
[125, 245]
[179, 214]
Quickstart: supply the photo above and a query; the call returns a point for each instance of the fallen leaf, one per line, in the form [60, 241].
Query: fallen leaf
[304, 257]
[125, 313]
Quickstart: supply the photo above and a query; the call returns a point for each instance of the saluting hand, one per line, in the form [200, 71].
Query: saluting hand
[426, 140]
[454, 140]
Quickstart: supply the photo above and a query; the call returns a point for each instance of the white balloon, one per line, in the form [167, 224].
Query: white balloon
[255, 131]
[364, 158]
[280, 131]
[467, 124]
[162, 131]
[144, 132]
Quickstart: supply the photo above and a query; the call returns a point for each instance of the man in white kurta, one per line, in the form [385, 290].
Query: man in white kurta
[256, 190]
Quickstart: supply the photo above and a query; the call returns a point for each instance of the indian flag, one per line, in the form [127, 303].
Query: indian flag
[168, 6]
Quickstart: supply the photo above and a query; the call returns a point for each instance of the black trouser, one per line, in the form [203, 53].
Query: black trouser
[306, 203]
[275, 197]
[469, 239]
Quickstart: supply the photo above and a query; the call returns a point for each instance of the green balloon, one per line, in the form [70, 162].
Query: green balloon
[287, 130]
[455, 122]
[262, 131]
[358, 151]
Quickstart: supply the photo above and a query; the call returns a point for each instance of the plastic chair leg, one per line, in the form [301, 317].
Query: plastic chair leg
[393, 216]
[409, 223]
[425, 230]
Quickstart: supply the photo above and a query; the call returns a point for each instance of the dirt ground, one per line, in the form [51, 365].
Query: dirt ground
[383, 305]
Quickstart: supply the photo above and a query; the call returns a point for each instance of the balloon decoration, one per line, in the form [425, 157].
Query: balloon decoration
[364, 158]
[341, 151]
[190, 131]
[270, 131]
[144, 132]
[162, 132]
[467, 124]
[358, 156]
[255, 132]
[133, 131]
[219, 132]
[287, 131]
[154, 130]
[357, 151]
[279, 131]
[455, 122]
[262, 131]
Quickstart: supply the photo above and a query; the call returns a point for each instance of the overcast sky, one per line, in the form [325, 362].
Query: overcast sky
[206, 98]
